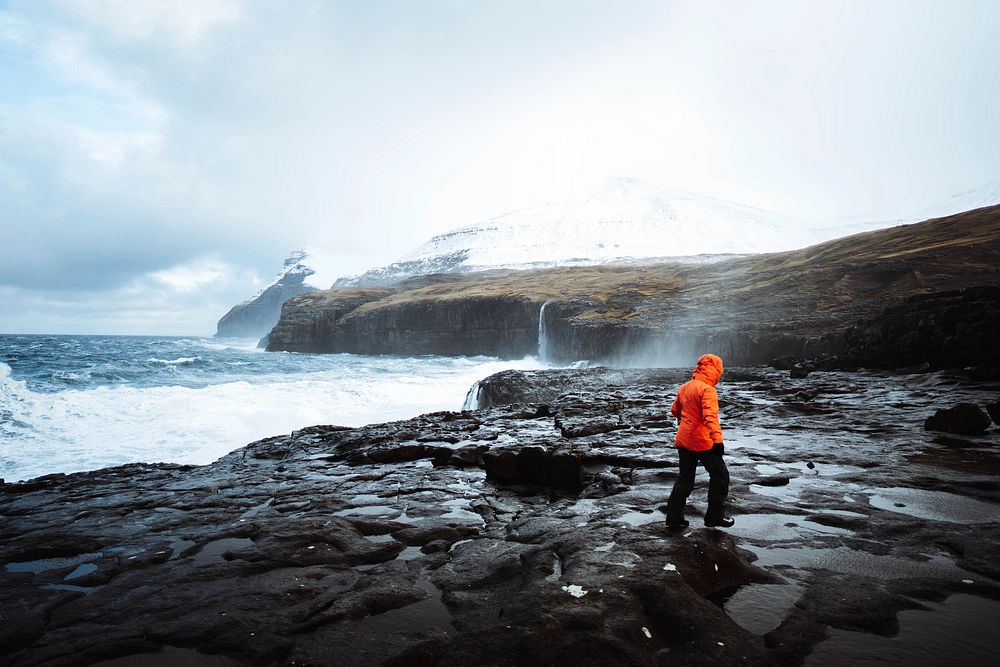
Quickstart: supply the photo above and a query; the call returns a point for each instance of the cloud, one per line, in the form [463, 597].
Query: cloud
[182, 22]
[186, 299]
[140, 137]
[194, 275]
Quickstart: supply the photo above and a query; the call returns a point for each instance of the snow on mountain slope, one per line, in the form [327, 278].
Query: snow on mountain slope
[987, 195]
[317, 266]
[626, 220]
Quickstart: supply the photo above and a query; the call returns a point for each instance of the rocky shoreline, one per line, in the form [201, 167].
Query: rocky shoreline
[530, 532]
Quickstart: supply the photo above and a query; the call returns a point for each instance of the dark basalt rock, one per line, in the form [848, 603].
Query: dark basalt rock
[951, 329]
[801, 370]
[487, 538]
[963, 419]
[994, 411]
[783, 363]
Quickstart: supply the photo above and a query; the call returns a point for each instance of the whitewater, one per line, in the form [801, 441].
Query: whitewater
[74, 403]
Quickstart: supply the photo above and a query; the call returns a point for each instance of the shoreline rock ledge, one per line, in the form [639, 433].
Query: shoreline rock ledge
[525, 533]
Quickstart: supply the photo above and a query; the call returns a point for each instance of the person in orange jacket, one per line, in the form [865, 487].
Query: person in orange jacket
[699, 440]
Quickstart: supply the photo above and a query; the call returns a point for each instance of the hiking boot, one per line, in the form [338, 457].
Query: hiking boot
[677, 523]
[722, 522]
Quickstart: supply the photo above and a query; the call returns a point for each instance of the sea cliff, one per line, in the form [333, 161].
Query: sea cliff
[798, 304]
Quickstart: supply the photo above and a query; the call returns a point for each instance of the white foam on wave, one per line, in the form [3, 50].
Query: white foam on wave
[174, 362]
[84, 429]
[242, 344]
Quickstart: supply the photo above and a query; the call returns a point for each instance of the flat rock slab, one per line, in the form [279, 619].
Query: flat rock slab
[525, 533]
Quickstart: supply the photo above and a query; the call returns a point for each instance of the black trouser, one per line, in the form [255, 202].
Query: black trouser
[718, 482]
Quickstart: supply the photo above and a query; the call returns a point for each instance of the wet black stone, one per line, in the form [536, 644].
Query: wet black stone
[963, 419]
[994, 411]
[800, 371]
[783, 363]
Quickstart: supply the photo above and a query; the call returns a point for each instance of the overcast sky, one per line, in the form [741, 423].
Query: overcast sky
[159, 158]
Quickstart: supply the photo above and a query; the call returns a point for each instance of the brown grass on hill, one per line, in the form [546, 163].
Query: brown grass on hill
[829, 283]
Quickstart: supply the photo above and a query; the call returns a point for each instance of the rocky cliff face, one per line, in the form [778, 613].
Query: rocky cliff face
[945, 330]
[309, 322]
[749, 309]
[254, 318]
[304, 271]
[362, 324]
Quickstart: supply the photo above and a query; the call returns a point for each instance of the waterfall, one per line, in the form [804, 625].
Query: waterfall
[543, 338]
[472, 398]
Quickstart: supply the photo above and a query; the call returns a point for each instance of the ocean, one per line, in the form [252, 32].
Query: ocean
[74, 403]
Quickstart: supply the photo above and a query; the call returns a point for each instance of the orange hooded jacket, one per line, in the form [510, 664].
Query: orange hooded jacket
[697, 406]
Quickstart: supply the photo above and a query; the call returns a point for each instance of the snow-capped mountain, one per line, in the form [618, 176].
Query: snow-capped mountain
[309, 269]
[625, 221]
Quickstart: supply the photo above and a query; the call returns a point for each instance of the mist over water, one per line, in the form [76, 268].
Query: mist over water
[72, 403]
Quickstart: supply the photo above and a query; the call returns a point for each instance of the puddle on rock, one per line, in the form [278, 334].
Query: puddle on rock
[409, 553]
[791, 492]
[934, 505]
[45, 564]
[760, 608]
[638, 518]
[779, 527]
[365, 499]
[457, 510]
[380, 511]
[170, 656]
[427, 613]
[213, 551]
[960, 631]
[81, 571]
[69, 587]
[851, 561]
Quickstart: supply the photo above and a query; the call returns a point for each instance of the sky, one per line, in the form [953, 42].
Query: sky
[160, 158]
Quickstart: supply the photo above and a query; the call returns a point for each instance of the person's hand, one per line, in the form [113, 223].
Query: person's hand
[718, 448]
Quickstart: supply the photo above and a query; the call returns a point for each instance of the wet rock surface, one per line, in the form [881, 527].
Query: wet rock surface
[963, 419]
[526, 533]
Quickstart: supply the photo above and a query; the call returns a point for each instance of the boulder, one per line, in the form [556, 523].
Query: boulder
[801, 370]
[782, 363]
[963, 419]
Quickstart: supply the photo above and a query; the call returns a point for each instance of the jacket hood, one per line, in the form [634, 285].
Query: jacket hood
[709, 369]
